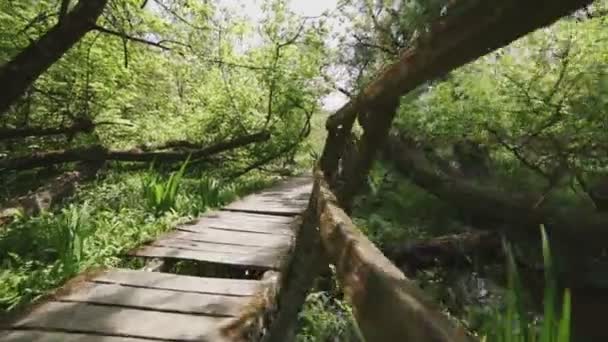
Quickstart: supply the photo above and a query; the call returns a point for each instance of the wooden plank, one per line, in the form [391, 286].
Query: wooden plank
[268, 258]
[243, 217]
[239, 226]
[235, 238]
[253, 223]
[158, 300]
[111, 320]
[174, 282]
[271, 207]
[288, 198]
[49, 336]
[248, 217]
[257, 207]
[216, 247]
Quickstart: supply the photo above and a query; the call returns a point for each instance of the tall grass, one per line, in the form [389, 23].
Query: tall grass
[70, 236]
[515, 324]
[160, 194]
[104, 220]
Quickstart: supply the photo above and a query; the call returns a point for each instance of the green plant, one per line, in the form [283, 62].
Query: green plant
[326, 318]
[209, 191]
[70, 236]
[515, 325]
[160, 195]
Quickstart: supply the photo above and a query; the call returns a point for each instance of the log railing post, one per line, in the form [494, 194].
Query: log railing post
[298, 277]
[387, 306]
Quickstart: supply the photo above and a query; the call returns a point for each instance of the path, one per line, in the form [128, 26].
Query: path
[122, 305]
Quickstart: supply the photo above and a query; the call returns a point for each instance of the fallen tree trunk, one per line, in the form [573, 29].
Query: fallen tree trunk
[23, 70]
[45, 196]
[447, 251]
[99, 153]
[519, 211]
[173, 145]
[83, 126]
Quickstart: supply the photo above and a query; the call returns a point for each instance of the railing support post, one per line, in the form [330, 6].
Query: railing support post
[299, 275]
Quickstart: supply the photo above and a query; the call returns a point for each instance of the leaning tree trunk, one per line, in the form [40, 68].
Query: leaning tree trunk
[17, 75]
[495, 207]
[454, 250]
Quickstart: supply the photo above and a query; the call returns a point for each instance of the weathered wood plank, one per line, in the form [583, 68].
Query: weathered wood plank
[248, 217]
[239, 226]
[287, 198]
[48, 336]
[257, 207]
[236, 238]
[265, 258]
[217, 247]
[244, 221]
[167, 281]
[111, 320]
[157, 300]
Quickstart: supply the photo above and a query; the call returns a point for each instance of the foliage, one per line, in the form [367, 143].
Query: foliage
[169, 71]
[514, 325]
[175, 71]
[105, 220]
[393, 211]
[162, 196]
[374, 33]
[325, 318]
[537, 106]
[71, 237]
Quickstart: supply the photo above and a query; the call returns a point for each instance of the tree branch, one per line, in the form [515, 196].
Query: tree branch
[131, 38]
[99, 153]
[25, 68]
[63, 9]
[81, 126]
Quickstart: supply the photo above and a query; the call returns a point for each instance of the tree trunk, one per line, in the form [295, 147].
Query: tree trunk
[99, 153]
[469, 30]
[446, 251]
[472, 159]
[23, 70]
[493, 207]
[83, 126]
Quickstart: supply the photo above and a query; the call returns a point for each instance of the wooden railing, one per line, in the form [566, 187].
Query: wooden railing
[387, 306]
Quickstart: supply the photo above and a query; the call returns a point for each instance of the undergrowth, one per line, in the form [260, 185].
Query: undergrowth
[515, 324]
[101, 223]
[326, 318]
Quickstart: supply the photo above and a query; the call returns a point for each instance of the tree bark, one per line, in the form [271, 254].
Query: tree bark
[84, 126]
[471, 29]
[23, 70]
[447, 251]
[99, 153]
[493, 207]
[45, 196]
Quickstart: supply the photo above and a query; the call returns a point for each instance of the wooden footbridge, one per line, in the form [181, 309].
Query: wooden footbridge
[253, 234]
[286, 235]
